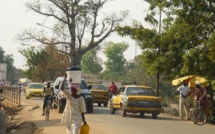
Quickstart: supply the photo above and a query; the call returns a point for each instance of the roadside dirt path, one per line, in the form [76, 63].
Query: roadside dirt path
[35, 123]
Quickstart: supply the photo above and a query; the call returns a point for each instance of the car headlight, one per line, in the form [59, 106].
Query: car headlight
[61, 95]
[88, 96]
[29, 92]
[125, 99]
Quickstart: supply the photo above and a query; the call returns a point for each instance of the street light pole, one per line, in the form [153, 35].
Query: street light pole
[62, 62]
[158, 75]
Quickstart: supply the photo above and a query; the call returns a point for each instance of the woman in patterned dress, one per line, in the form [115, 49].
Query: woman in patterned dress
[73, 114]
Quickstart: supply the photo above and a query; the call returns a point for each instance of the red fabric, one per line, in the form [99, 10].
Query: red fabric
[113, 88]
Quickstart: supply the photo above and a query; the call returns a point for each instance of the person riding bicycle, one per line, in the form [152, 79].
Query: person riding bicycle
[201, 94]
[48, 92]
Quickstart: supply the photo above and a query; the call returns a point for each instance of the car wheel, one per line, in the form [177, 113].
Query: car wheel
[99, 104]
[123, 111]
[154, 115]
[105, 104]
[54, 105]
[112, 110]
[59, 107]
[142, 114]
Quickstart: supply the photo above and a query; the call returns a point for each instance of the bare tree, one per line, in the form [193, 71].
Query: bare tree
[76, 23]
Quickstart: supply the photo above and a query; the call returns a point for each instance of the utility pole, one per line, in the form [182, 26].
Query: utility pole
[62, 72]
[158, 75]
[135, 49]
[160, 21]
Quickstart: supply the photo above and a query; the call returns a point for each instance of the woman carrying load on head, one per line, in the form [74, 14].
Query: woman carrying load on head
[73, 114]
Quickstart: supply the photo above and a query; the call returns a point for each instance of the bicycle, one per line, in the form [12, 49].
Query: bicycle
[47, 109]
[211, 116]
[198, 114]
[9, 113]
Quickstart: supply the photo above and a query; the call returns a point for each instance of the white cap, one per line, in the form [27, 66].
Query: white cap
[198, 83]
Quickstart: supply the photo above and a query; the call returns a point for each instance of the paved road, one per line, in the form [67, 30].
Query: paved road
[101, 122]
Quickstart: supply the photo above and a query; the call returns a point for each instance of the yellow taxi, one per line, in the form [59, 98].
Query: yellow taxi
[100, 94]
[34, 90]
[136, 99]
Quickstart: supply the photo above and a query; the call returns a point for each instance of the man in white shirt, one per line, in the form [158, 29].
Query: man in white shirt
[184, 91]
[45, 83]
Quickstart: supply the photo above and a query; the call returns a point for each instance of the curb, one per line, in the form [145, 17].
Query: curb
[34, 107]
[29, 102]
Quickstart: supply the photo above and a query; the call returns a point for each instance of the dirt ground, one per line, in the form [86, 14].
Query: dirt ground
[29, 120]
[21, 123]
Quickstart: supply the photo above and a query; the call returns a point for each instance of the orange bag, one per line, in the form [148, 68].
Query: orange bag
[85, 129]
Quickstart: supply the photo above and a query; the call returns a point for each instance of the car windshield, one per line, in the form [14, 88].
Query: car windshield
[99, 87]
[139, 91]
[36, 86]
[83, 84]
[66, 85]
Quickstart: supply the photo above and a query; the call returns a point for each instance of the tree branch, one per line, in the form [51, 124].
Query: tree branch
[42, 40]
[46, 14]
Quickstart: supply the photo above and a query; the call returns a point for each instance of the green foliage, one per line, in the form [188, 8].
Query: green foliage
[10, 67]
[7, 59]
[44, 63]
[115, 64]
[185, 46]
[193, 32]
[34, 59]
[154, 47]
[91, 63]
[137, 72]
[1, 55]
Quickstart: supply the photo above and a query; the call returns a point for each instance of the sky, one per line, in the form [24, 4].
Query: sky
[15, 18]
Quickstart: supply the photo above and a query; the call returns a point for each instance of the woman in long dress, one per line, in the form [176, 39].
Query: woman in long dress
[73, 114]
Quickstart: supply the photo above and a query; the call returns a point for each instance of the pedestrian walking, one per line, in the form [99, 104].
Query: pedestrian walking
[184, 91]
[112, 90]
[73, 114]
[2, 84]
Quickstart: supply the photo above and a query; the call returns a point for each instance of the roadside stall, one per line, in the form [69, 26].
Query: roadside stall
[191, 80]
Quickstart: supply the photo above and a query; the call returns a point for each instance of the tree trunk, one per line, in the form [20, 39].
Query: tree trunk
[76, 59]
[157, 84]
